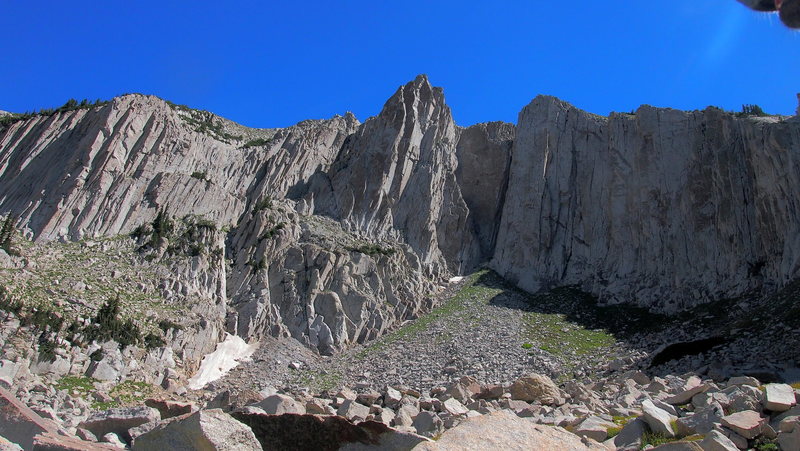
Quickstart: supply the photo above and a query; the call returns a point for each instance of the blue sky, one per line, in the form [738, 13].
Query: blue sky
[270, 64]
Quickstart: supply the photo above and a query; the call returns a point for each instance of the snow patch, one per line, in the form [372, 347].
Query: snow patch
[227, 356]
[456, 279]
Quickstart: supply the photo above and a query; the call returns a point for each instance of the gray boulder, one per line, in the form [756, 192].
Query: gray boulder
[630, 437]
[203, 430]
[279, 404]
[505, 431]
[716, 441]
[119, 421]
[747, 423]
[701, 422]
[535, 387]
[779, 397]
[658, 419]
[428, 424]
[352, 410]
[790, 440]
[594, 427]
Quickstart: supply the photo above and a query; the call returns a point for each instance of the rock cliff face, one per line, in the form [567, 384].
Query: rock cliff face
[395, 177]
[334, 230]
[105, 170]
[664, 208]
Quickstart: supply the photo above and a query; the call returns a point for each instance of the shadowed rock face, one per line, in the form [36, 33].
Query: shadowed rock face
[324, 433]
[663, 208]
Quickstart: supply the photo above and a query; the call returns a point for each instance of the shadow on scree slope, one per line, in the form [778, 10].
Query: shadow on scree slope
[566, 320]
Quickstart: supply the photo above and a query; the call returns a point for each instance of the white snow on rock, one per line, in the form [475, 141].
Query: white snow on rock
[456, 279]
[228, 354]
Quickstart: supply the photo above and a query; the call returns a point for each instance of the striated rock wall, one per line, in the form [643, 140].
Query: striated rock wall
[664, 208]
[105, 170]
[395, 178]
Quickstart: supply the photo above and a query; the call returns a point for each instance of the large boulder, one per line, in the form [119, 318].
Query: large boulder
[169, 409]
[684, 396]
[325, 433]
[428, 424]
[535, 387]
[658, 419]
[630, 437]
[203, 430]
[716, 441]
[790, 440]
[5, 445]
[779, 397]
[743, 397]
[352, 410]
[748, 423]
[119, 421]
[506, 431]
[18, 423]
[594, 427]
[701, 422]
[58, 442]
[279, 404]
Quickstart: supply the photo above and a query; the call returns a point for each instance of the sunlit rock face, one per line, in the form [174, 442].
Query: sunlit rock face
[663, 208]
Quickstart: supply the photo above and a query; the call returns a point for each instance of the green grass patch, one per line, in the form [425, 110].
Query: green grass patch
[127, 393]
[258, 142]
[471, 292]
[76, 385]
[556, 335]
[613, 431]
[320, 381]
[263, 204]
[655, 439]
[201, 175]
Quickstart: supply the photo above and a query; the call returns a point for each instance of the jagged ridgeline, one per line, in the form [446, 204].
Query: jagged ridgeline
[333, 231]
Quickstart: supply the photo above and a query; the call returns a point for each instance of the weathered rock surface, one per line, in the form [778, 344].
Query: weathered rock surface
[18, 423]
[664, 208]
[397, 161]
[5, 445]
[205, 429]
[658, 419]
[701, 422]
[49, 441]
[535, 387]
[280, 404]
[779, 397]
[748, 423]
[502, 430]
[119, 420]
[716, 441]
